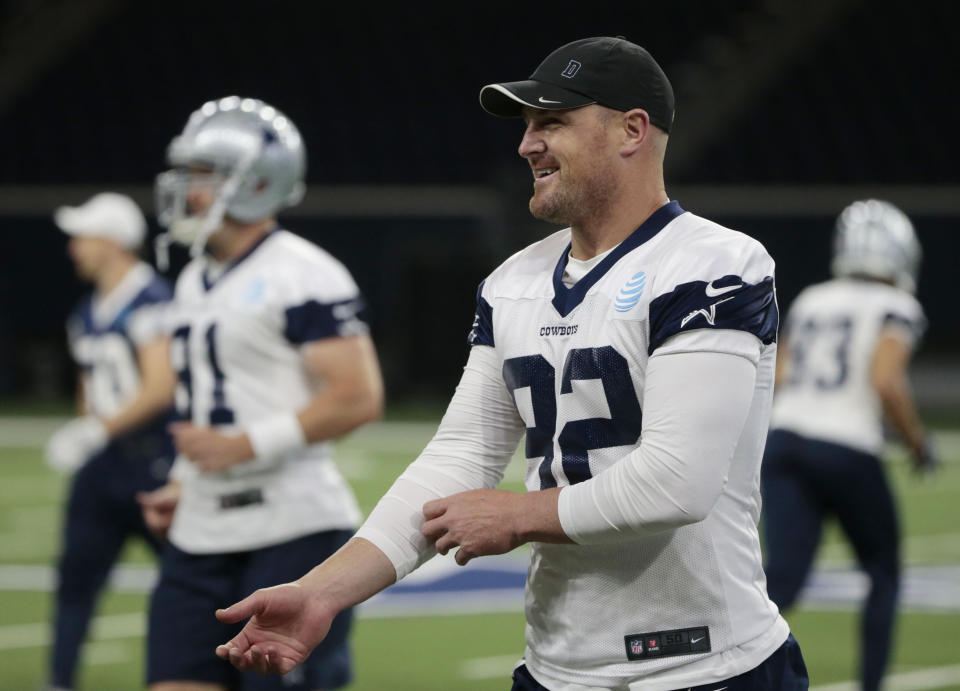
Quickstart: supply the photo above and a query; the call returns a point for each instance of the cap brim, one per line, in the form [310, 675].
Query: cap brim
[71, 221]
[508, 99]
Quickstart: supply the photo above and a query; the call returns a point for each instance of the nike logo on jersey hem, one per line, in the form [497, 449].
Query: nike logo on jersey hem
[696, 640]
[714, 292]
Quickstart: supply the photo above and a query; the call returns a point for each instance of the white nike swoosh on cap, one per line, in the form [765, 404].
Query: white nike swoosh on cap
[547, 100]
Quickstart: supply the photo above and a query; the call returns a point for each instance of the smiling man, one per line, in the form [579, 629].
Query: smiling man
[636, 350]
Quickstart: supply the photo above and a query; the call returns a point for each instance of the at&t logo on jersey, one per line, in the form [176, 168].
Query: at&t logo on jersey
[629, 295]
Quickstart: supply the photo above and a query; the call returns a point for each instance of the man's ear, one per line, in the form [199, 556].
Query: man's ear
[636, 130]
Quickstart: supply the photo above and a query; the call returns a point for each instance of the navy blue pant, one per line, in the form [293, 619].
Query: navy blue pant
[784, 670]
[184, 632]
[102, 513]
[805, 481]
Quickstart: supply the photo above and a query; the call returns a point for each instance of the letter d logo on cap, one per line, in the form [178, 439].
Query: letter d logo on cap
[571, 69]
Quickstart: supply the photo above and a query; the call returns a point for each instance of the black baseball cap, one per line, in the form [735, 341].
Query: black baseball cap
[612, 72]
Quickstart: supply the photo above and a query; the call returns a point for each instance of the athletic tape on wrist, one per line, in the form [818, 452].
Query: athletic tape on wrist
[276, 436]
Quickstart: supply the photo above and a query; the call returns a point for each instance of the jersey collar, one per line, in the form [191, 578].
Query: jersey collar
[209, 282]
[566, 299]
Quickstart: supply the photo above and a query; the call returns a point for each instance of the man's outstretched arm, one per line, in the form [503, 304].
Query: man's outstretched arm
[476, 439]
[288, 621]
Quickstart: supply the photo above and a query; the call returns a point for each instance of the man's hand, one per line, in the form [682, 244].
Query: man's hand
[211, 451]
[158, 507]
[73, 444]
[481, 522]
[285, 626]
[926, 460]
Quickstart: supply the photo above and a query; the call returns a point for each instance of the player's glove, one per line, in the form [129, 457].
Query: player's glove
[73, 444]
[928, 460]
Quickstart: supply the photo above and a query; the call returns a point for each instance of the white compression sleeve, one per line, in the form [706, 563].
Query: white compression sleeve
[473, 444]
[695, 407]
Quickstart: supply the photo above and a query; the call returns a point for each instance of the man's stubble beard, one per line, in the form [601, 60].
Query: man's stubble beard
[572, 204]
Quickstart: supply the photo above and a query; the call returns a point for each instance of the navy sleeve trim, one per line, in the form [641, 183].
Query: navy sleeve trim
[725, 303]
[312, 320]
[157, 291]
[916, 327]
[482, 331]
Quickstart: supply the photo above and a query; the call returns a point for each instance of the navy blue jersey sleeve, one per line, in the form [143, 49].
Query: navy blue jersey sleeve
[482, 331]
[724, 303]
[313, 320]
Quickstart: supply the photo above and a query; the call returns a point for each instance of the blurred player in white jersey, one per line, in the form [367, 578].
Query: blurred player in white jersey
[275, 362]
[119, 445]
[843, 370]
[636, 350]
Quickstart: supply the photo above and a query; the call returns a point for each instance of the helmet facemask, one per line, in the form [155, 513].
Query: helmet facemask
[257, 161]
[186, 226]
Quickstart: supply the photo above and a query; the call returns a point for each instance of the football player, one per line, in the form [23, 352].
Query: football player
[842, 371]
[274, 362]
[636, 350]
[119, 445]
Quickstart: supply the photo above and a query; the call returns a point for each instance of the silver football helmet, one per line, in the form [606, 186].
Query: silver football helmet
[876, 239]
[246, 155]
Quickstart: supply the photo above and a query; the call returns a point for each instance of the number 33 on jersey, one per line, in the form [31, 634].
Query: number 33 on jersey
[574, 356]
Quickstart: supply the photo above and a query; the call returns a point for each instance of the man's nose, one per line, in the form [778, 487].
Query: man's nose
[531, 143]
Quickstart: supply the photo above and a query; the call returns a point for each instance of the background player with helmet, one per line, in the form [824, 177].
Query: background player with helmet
[842, 371]
[636, 349]
[274, 361]
[119, 445]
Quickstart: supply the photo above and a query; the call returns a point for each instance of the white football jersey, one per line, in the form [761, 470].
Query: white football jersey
[102, 332]
[656, 611]
[237, 330]
[831, 335]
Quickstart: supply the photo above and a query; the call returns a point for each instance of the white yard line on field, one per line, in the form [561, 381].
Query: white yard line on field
[489, 667]
[105, 628]
[106, 653]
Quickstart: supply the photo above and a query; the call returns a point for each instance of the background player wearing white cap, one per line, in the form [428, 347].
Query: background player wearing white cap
[636, 349]
[119, 445]
[842, 372]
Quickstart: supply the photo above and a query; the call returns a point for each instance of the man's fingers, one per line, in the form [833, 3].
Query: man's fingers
[445, 544]
[240, 660]
[260, 660]
[239, 611]
[267, 661]
[462, 556]
[433, 530]
[435, 508]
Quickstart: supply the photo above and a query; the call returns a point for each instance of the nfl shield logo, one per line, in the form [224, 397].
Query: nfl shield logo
[636, 647]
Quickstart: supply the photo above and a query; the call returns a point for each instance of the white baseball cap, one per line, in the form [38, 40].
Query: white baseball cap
[105, 215]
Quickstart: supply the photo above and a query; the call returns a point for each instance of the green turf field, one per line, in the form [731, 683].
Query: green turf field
[436, 652]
